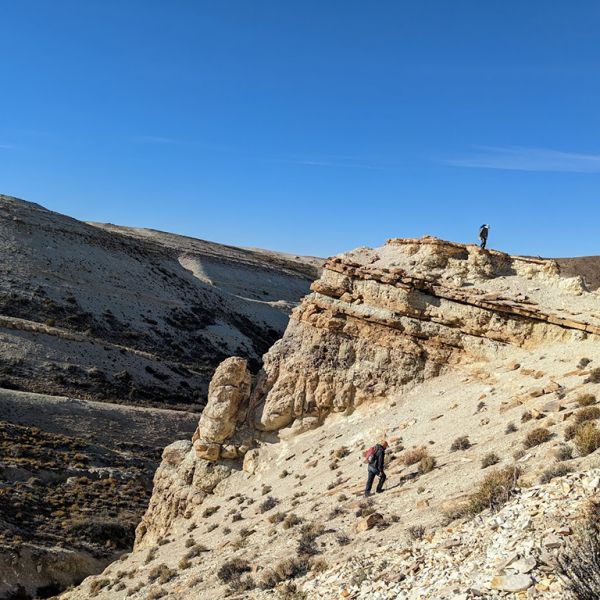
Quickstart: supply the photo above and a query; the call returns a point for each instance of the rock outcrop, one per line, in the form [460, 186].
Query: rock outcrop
[228, 393]
[379, 320]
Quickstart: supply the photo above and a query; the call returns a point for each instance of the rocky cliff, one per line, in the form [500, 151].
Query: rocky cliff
[463, 358]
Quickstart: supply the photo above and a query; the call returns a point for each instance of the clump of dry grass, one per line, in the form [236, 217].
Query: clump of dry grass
[587, 438]
[593, 377]
[537, 436]
[564, 452]
[588, 413]
[490, 459]
[460, 443]
[416, 532]
[342, 452]
[497, 488]
[579, 561]
[570, 431]
[291, 521]
[427, 464]
[162, 573]
[555, 471]
[268, 504]
[413, 455]
[233, 569]
[288, 568]
[586, 399]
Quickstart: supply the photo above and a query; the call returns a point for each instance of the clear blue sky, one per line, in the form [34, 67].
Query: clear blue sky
[311, 126]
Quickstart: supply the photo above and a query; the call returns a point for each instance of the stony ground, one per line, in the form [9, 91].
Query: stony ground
[304, 495]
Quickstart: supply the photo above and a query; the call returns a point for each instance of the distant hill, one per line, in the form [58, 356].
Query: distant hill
[132, 315]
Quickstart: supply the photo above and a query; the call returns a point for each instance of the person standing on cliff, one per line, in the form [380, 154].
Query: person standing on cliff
[375, 458]
[483, 234]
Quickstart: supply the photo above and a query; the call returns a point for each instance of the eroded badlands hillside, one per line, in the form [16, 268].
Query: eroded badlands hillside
[130, 315]
[108, 338]
[470, 362]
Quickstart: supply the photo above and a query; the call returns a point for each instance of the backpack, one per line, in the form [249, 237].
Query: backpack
[370, 454]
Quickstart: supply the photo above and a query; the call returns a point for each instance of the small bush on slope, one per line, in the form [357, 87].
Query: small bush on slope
[586, 399]
[588, 413]
[537, 436]
[496, 488]
[283, 570]
[427, 464]
[555, 471]
[490, 459]
[587, 439]
[233, 569]
[579, 562]
[460, 443]
[413, 456]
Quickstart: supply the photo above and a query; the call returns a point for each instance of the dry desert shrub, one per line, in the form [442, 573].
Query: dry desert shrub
[282, 571]
[276, 517]
[588, 413]
[496, 488]
[319, 565]
[579, 562]
[233, 569]
[537, 436]
[416, 532]
[427, 464]
[268, 504]
[510, 428]
[413, 456]
[587, 438]
[161, 572]
[460, 443]
[490, 459]
[586, 399]
[97, 586]
[570, 431]
[564, 452]
[555, 471]
[291, 521]
[593, 377]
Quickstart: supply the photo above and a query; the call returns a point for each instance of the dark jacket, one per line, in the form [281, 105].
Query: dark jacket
[378, 462]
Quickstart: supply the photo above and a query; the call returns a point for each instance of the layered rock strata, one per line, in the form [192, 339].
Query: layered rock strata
[376, 322]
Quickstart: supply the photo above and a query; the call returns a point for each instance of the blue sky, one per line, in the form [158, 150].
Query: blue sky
[312, 126]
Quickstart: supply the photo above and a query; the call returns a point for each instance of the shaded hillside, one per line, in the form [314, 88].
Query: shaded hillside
[128, 315]
[587, 267]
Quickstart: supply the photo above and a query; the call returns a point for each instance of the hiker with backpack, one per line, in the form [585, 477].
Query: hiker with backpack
[483, 235]
[375, 458]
